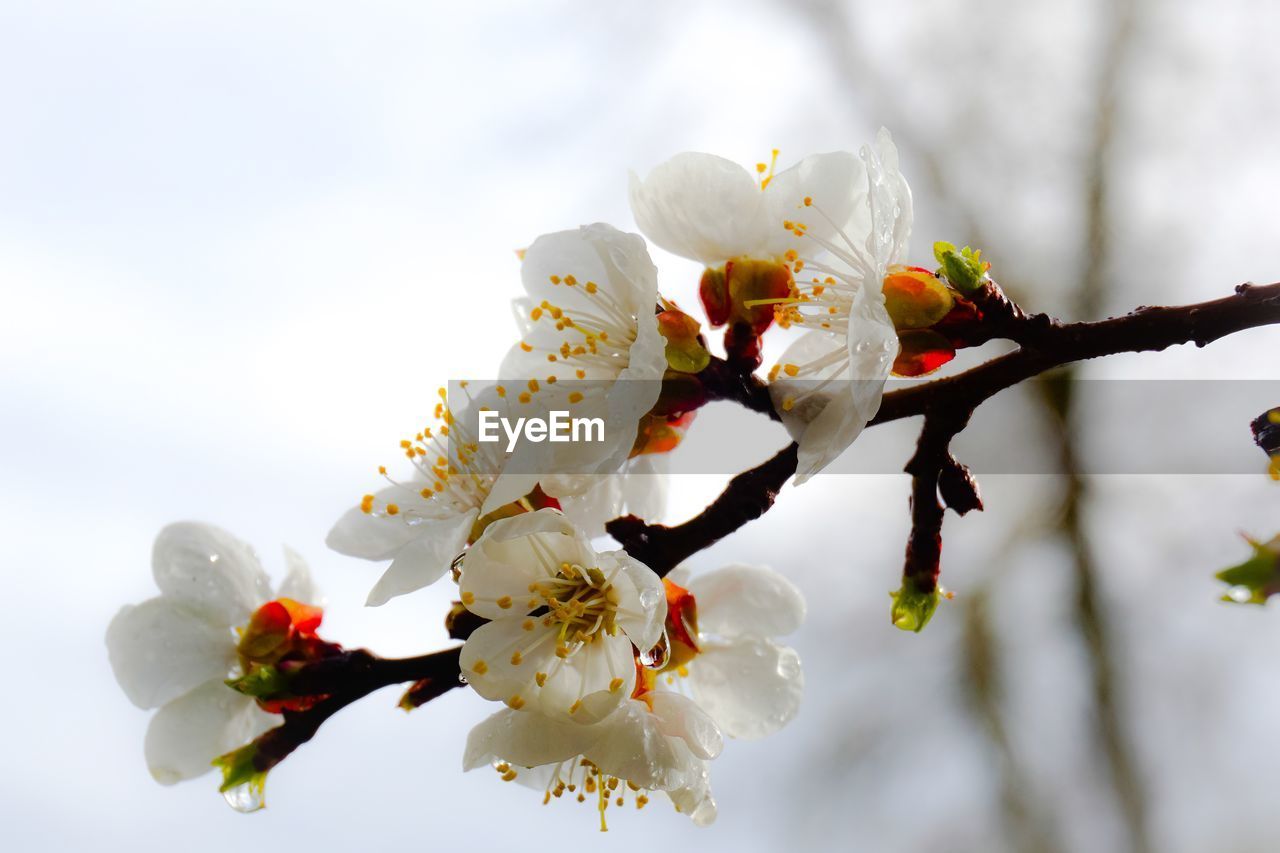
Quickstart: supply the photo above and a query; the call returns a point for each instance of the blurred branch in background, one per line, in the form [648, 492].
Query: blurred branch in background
[1093, 621]
[1026, 824]
[835, 25]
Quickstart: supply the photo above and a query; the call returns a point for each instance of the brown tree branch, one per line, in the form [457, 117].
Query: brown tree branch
[1046, 344]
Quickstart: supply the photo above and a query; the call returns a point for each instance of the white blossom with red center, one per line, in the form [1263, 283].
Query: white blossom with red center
[837, 222]
[174, 652]
[722, 630]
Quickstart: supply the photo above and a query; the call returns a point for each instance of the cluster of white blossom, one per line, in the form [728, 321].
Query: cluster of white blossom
[617, 683]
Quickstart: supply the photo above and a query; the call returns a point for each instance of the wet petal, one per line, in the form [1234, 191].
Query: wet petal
[188, 733]
[487, 658]
[750, 687]
[739, 600]
[591, 683]
[526, 740]
[679, 716]
[424, 560]
[642, 604]
[209, 570]
[159, 650]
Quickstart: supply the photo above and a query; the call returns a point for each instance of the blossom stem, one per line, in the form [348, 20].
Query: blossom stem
[343, 679]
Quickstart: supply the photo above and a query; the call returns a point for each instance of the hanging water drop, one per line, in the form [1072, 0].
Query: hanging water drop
[657, 657]
[246, 797]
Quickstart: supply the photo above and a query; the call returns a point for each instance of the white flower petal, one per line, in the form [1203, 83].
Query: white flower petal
[826, 423]
[889, 202]
[750, 687]
[187, 734]
[614, 260]
[835, 182]
[515, 552]
[209, 570]
[298, 584]
[701, 207]
[737, 600]
[633, 748]
[159, 650]
[526, 740]
[424, 560]
[589, 501]
[581, 687]
[486, 658]
[679, 716]
[693, 796]
[642, 604]
[375, 536]
[646, 483]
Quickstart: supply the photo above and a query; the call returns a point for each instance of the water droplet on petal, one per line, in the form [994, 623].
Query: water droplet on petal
[657, 657]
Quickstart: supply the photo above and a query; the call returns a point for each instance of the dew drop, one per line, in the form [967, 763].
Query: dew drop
[1239, 594]
[246, 797]
[657, 657]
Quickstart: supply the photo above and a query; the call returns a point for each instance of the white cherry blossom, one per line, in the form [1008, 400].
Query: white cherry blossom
[423, 522]
[828, 383]
[563, 618]
[174, 652]
[836, 222]
[723, 647]
[589, 345]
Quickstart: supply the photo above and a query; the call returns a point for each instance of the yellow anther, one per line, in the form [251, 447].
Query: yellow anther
[504, 602]
[480, 667]
[573, 709]
[615, 685]
[570, 280]
[555, 279]
[468, 597]
[527, 625]
[592, 287]
[791, 369]
[516, 658]
[382, 469]
[524, 397]
[392, 509]
[540, 678]
[788, 404]
[575, 397]
[524, 346]
[366, 503]
[808, 201]
[515, 703]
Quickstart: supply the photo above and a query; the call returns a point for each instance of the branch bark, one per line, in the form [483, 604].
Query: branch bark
[1045, 344]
